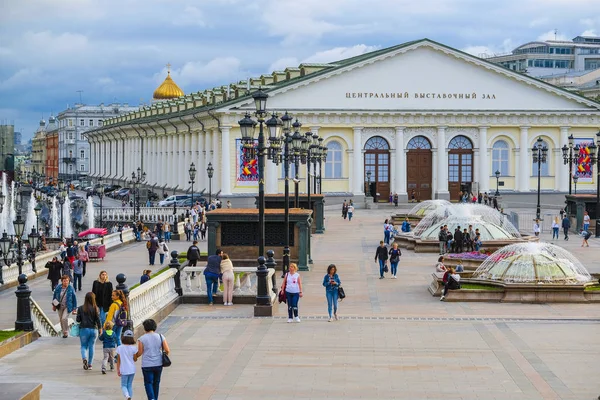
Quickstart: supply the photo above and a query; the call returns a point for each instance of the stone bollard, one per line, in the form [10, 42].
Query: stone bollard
[263, 307]
[175, 264]
[270, 263]
[121, 278]
[23, 322]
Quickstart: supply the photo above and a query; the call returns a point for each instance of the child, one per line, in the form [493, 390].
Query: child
[146, 276]
[109, 343]
[586, 236]
[126, 363]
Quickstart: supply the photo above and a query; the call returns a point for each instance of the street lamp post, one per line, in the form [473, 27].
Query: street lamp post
[297, 150]
[497, 173]
[286, 159]
[368, 183]
[569, 156]
[540, 152]
[210, 171]
[101, 196]
[38, 210]
[192, 172]
[595, 159]
[575, 178]
[322, 160]
[62, 194]
[136, 181]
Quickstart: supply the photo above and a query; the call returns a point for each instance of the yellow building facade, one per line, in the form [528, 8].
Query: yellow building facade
[423, 118]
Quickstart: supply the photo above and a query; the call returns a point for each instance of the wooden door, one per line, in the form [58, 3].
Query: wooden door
[460, 166]
[419, 167]
[377, 162]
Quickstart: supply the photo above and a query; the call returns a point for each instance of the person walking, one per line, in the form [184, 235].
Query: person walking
[77, 275]
[586, 235]
[151, 345]
[332, 282]
[126, 363]
[65, 302]
[566, 225]
[292, 287]
[83, 258]
[555, 227]
[386, 232]
[88, 317]
[115, 312]
[67, 269]
[152, 246]
[395, 199]
[394, 254]
[109, 345]
[54, 272]
[536, 228]
[344, 209]
[193, 254]
[203, 230]
[188, 230]
[586, 221]
[228, 277]
[382, 254]
[442, 239]
[167, 232]
[102, 289]
[350, 211]
[212, 273]
[162, 250]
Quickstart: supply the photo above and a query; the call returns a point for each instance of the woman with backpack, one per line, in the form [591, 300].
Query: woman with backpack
[118, 313]
[162, 250]
[88, 317]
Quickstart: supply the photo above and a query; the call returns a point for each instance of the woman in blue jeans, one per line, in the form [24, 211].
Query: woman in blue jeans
[332, 282]
[395, 254]
[150, 348]
[382, 254]
[88, 317]
[292, 287]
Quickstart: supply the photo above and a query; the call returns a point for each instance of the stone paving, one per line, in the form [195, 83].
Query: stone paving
[393, 341]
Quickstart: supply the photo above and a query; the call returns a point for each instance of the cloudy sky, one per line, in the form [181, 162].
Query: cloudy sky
[116, 51]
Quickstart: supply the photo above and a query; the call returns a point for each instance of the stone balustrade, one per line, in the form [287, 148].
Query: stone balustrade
[244, 283]
[150, 298]
[146, 214]
[41, 322]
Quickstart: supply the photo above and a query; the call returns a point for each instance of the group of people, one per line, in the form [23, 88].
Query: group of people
[219, 268]
[347, 210]
[162, 230]
[467, 239]
[564, 222]
[105, 316]
[156, 245]
[72, 264]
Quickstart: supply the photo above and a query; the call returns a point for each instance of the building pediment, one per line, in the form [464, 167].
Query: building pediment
[421, 76]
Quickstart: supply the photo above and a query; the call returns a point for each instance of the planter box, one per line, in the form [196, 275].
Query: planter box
[16, 342]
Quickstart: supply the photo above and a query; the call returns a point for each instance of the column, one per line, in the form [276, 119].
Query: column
[358, 162]
[186, 154]
[201, 165]
[350, 153]
[227, 160]
[400, 166]
[216, 163]
[167, 165]
[562, 171]
[483, 166]
[183, 176]
[208, 155]
[524, 171]
[442, 164]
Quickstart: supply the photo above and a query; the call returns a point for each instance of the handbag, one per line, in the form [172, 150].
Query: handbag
[385, 268]
[74, 330]
[282, 297]
[166, 361]
[57, 303]
[341, 293]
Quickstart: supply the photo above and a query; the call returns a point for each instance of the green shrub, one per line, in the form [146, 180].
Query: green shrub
[4, 335]
[478, 286]
[151, 276]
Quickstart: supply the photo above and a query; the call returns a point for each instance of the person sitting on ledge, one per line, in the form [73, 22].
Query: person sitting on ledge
[406, 225]
[451, 282]
[439, 266]
[459, 267]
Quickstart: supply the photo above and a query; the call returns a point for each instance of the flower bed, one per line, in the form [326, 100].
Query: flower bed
[473, 255]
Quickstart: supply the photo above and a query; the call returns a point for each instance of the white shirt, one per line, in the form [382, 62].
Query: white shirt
[350, 209]
[291, 283]
[586, 219]
[126, 352]
[536, 228]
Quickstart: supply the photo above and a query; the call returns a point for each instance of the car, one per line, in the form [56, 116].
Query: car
[123, 192]
[74, 195]
[111, 188]
[172, 199]
[188, 202]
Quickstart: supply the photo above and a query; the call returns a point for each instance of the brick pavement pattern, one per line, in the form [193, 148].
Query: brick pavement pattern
[393, 341]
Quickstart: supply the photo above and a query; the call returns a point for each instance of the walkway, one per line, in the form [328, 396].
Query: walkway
[394, 341]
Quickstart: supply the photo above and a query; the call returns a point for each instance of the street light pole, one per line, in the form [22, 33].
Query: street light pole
[101, 196]
[192, 172]
[61, 201]
[569, 156]
[540, 151]
[210, 171]
[575, 178]
[497, 183]
[595, 159]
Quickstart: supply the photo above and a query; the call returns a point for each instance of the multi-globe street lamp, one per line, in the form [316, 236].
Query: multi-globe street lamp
[62, 195]
[101, 196]
[540, 153]
[38, 210]
[569, 154]
[497, 173]
[368, 183]
[595, 159]
[575, 179]
[136, 181]
[192, 172]
[210, 171]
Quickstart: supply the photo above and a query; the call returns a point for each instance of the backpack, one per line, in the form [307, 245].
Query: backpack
[121, 317]
[148, 244]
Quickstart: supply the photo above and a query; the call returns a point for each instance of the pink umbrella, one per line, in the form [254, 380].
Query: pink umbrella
[93, 231]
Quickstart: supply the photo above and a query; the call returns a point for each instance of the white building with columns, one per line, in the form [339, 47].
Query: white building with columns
[420, 116]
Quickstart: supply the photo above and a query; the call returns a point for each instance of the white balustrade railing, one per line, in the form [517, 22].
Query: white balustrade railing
[41, 322]
[146, 214]
[11, 272]
[149, 298]
[244, 283]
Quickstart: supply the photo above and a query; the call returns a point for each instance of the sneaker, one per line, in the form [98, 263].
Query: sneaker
[335, 316]
[442, 298]
[103, 371]
[230, 304]
[330, 319]
[394, 277]
[381, 277]
[290, 320]
[297, 319]
[210, 304]
[85, 364]
[90, 367]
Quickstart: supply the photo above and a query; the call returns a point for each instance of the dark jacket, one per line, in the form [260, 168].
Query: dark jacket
[88, 320]
[153, 245]
[103, 292]
[109, 340]
[566, 223]
[193, 253]
[54, 270]
[395, 254]
[458, 236]
[144, 278]
[213, 265]
[381, 253]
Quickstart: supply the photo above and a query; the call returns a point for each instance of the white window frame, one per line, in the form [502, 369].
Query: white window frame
[334, 168]
[500, 156]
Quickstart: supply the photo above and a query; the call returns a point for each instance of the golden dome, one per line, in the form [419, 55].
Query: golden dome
[168, 89]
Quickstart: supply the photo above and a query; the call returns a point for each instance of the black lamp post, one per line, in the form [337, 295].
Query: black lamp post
[101, 196]
[247, 128]
[38, 210]
[210, 171]
[62, 194]
[497, 173]
[192, 172]
[322, 160]
[368, 183]
[19, 225]
[540, 152]
[595, 159]
[5, 243]
[297, 152]
[569, 156]
[575, 179]
[136, 181]
[286, 158]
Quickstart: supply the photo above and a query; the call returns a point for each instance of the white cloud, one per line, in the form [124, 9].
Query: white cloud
[190, 16]
[23, 77]
[283, 63]
[539, 22]
[551, 35]
[490, 50]
[589, 32]
[194, 73]
[339, 53]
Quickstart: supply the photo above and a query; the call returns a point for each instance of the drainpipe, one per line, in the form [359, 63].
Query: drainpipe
[123, 175]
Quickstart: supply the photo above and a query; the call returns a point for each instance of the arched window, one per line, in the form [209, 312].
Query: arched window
[333, 164]
[460, 143]
[544, 167]
[500, 158]
[377, 143]
[418, 143]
